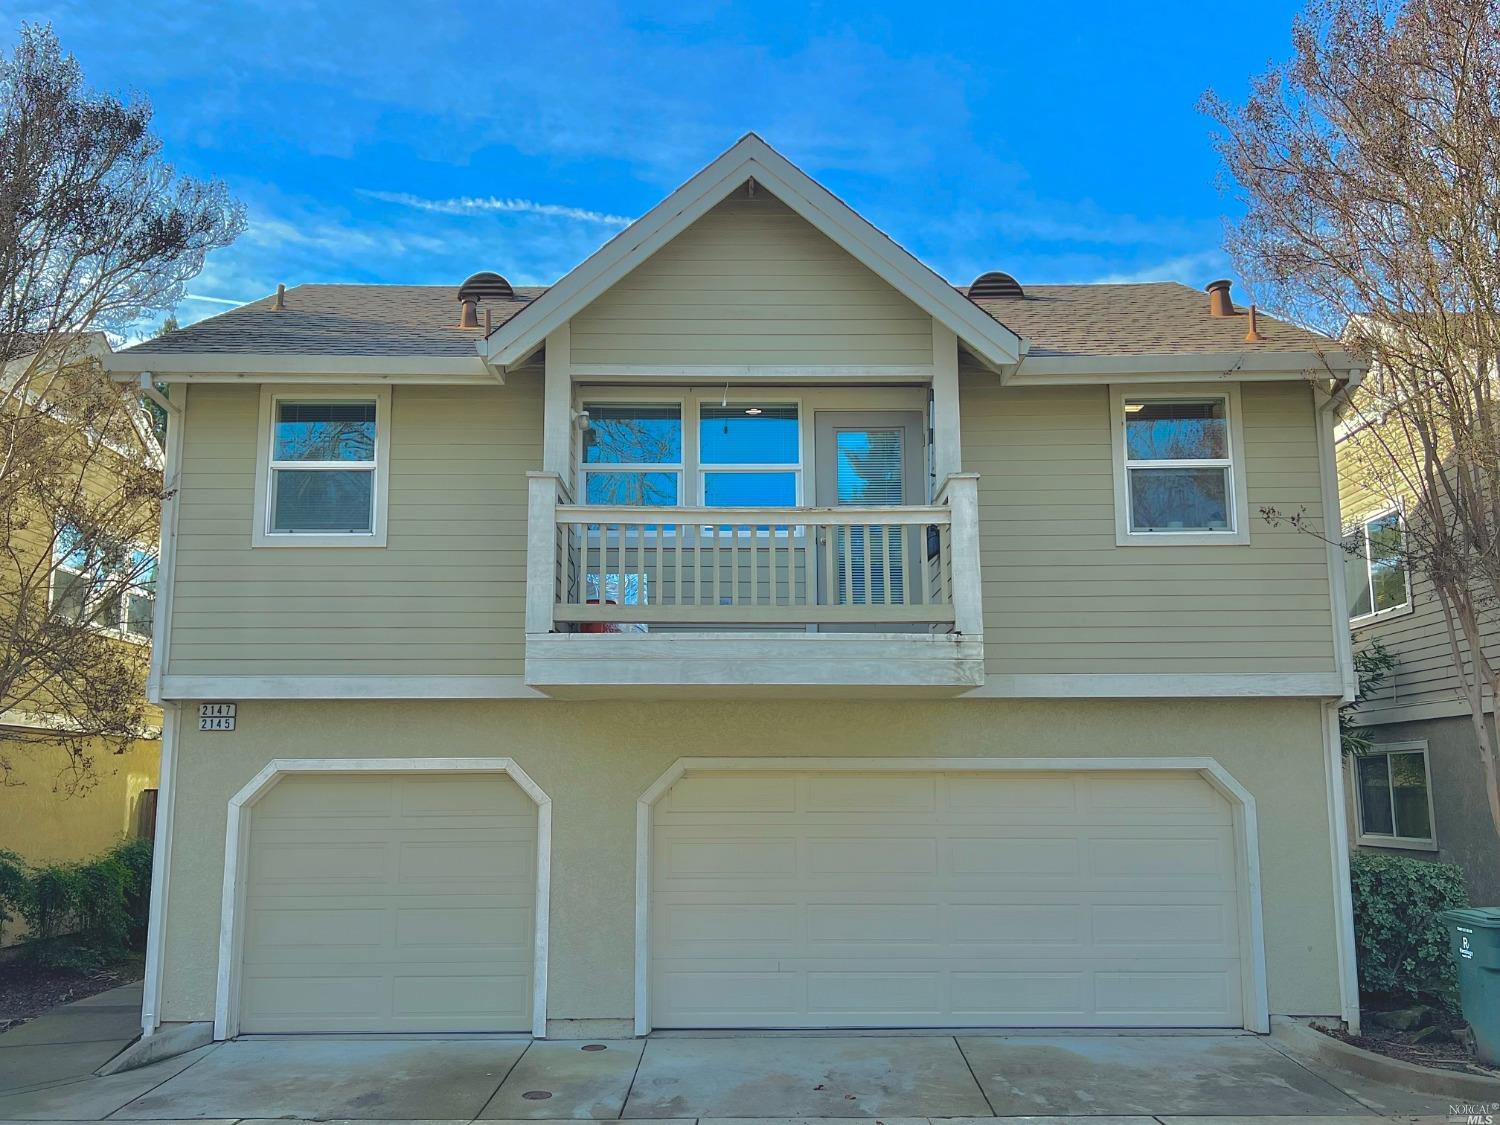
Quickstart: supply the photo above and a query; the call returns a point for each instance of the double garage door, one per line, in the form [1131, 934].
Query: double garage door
[406, 902]
[956, 900]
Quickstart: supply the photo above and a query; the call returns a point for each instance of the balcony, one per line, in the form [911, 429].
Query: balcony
[663, 601]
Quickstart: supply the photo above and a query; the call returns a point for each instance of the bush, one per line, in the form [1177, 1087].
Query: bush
[81, 916]
[1402, 945]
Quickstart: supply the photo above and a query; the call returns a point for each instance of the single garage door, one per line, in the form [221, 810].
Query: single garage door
[954, 899]
[389, 902]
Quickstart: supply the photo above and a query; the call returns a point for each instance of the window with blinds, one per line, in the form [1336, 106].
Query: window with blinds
[871, 471]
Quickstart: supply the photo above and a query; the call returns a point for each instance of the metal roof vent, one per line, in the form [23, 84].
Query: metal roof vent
[995, 285]
[486, 286]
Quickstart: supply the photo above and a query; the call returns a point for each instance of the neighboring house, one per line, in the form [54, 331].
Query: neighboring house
[1421, 790]
[45, 816]
[749, 630]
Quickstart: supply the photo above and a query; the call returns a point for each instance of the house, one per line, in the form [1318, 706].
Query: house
[1420, 790]
[47, 813]
[749, 630]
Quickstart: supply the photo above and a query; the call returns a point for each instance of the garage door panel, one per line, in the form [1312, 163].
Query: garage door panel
[973, 913]
[412, 911]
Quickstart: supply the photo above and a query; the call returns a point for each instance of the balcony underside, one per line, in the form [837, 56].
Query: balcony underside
[750, 664]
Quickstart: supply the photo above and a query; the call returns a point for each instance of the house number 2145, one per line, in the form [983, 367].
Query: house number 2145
[216, 716]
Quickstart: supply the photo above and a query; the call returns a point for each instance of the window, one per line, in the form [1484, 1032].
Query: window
[1176, 477]
[633, 454]
[739, 454]
[1395, 796]
[1375, 573]
[117, 595]
[323, 468]
[750, 455]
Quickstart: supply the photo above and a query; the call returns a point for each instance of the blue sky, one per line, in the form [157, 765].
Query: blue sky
[421, 142]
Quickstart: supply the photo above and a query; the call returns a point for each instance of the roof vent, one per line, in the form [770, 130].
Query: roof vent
[995, 285]
[486, 286]
[1219, 302]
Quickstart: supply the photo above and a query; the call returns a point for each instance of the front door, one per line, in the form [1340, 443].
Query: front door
[870, 458]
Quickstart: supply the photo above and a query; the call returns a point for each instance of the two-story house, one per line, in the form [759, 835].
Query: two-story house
[750, 630]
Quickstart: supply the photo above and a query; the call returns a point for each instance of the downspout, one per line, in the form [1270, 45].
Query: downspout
[161, 852]
[1333, 753]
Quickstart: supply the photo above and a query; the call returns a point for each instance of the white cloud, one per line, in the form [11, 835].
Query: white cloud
[213, 300]
[1186, 266]
[492, 205]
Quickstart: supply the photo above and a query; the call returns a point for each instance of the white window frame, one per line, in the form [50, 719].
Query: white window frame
[261, 534]
[1375, 840]
[91, 604]
[1362, 527]
[1238, 532]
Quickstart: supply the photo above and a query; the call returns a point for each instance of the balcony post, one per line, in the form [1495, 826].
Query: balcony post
[541, 550]
[961, 493]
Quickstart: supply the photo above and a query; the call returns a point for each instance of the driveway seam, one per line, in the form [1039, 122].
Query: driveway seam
[978, 1084]
[163, 1082]
[634, 1074]
[503, 1078]
[1355, 1098]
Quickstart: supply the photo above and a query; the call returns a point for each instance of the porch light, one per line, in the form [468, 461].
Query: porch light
[752, 410]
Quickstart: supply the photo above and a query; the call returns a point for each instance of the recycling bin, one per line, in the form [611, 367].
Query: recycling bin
[1475, 936]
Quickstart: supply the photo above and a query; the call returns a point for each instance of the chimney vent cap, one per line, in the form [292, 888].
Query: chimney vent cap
[995, 285]
[1219, 301]
[486, 285]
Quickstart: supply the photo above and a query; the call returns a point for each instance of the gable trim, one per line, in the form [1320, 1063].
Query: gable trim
[751, 158]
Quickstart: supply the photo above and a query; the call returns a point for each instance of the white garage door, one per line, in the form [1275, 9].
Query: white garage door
[965, 900]
[389, 902]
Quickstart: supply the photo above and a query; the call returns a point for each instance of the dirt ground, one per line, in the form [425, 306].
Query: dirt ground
[27, 992]
[1454, 1052]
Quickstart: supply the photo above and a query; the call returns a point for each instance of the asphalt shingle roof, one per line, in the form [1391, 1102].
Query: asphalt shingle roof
[1153, 318]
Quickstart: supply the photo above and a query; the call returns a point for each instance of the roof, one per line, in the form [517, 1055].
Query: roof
[1148, 318]
[394, 320]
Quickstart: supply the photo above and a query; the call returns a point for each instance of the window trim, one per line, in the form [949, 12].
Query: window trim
[1363, 526]
[1238, 533]
[1407, 843]
[261, 534]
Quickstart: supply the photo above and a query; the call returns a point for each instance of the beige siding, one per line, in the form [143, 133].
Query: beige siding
[1424, 675]
[752, 283]
[1061, 597]
[444, 597]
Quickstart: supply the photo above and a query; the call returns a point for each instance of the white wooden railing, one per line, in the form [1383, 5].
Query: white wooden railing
[596, 568]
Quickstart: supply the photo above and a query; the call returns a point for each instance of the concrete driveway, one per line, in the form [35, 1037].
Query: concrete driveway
[900, 1079]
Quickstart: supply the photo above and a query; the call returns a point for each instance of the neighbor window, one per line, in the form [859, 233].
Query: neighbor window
[1178, 466]
[118, 595]
[323, 471]
[1374, 570]
[633, 454]
[1395, 797]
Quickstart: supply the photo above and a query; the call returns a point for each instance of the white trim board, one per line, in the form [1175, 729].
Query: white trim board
[1220, 367]
[1343, 893]
[161, 870]
[347, 687]
[253, 367]
[237, 842]
[1247, 840]
[751, 158]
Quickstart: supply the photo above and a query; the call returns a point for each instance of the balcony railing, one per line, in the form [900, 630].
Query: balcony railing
[643, 569]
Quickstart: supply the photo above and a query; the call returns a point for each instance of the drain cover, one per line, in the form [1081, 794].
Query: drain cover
[593, 1047]
[537, 1095]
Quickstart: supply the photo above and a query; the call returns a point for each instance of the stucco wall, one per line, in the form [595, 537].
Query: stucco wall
[1461, 814]
[595, 759]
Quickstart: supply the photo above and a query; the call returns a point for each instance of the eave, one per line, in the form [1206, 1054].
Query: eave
[248, 367]
[1198, 367]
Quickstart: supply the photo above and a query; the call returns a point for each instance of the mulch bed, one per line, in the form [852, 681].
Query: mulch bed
[1455, 1053]
[27, 992]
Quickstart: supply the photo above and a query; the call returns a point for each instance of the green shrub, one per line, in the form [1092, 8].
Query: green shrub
[81, 916]
[1402, 945]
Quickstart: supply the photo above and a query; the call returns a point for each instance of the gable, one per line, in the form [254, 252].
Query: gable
[752, 282]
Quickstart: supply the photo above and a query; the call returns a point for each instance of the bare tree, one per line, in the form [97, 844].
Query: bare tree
[1369, 169]
[96, 233]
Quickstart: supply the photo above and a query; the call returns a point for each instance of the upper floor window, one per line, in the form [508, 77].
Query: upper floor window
[1375, 572]
[323, 469]
[1177, 477]
[118, 595]
[1395, 796]
[739, 454]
